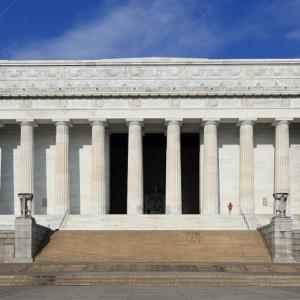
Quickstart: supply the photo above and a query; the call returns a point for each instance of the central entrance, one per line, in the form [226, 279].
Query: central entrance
[154, 173]
[154, 160]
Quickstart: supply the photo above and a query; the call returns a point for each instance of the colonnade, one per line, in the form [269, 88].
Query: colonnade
[99, 190]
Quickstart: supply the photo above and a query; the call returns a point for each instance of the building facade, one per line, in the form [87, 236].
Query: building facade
[150, 139]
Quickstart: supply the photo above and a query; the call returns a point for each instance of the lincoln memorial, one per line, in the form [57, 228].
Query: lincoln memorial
[152, 143]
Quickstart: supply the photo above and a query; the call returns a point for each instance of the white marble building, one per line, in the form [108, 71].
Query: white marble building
[97, 141]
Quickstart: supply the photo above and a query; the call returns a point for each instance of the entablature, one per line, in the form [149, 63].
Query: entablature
[148, 78]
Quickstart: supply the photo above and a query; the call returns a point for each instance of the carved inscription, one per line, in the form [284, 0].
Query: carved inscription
[193, 237]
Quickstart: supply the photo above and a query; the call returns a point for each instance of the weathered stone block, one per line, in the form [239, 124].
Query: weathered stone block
[29, 238]
[278, 235]
[7, 245]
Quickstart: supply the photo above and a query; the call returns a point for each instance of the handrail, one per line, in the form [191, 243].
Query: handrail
[63, 220]
[244, 219]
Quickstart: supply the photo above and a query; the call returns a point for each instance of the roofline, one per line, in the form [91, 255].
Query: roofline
[150, 61]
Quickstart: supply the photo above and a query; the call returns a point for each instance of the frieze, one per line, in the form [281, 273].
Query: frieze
[26, 103]
[247, 103]
[152, 103]
[175, 102]
[145, 80]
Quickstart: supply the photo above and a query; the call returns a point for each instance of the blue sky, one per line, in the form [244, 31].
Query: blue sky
[93, 29]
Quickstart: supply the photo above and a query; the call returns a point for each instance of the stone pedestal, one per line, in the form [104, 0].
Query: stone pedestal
[29, 239]
[278, 235]
[23, 240]
[282, 239]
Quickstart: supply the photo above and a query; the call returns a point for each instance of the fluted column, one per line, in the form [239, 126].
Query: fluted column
[98, 203]
[282, 160]
[27, 158]
[246, 187]
[135, 189]
[173, 169]
[107, 167]
[62, 180]
[210, 203]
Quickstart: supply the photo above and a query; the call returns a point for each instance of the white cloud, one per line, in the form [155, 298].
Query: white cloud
[139, 28]
[193, 28]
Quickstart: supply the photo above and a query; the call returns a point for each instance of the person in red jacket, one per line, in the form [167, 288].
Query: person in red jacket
[230, 206]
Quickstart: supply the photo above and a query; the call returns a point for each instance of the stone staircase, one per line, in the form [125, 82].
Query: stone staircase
[155, 246]
[187, 274]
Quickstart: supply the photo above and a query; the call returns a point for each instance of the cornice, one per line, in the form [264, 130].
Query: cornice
[149, 61]
[199, 79]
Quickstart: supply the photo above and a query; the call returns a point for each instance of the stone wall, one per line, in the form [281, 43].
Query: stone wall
[294, 198]
[7, 245]
[30, 238]
[296, 245]
[263, 152]
[278, 236]
[228, 143]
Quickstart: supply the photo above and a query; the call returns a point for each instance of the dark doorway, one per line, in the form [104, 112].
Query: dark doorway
[154, 159]
[118, 173]
[190, 172]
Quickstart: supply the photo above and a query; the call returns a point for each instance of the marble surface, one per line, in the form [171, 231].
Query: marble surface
[154, 90]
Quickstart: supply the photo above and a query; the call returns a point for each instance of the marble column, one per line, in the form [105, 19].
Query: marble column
[107, 167]
[62, 180]
[27, 159]
[1, 145]
[173, 169]
[246, 187]
[98, 203]
[210, 203]
[135, 188]
[282, 164]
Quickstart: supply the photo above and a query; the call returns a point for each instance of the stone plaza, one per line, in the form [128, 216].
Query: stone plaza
[159, 293]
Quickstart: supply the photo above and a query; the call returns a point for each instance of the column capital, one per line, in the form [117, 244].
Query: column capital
[28, 122]
[246, 122]
[173, 122]
[65, 122]
[138, 122]
[281, 121]
[102, 122]
[209, 121]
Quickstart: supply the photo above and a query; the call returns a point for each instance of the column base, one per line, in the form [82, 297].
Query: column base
[173, 210]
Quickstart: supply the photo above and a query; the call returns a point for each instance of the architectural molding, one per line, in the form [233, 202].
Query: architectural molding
[199, 78]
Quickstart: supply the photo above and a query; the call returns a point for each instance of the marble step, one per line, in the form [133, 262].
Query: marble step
[95, 267]
[155, 246]
[152, 278]
[7, 222]
[155, 222]
[151, 222]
